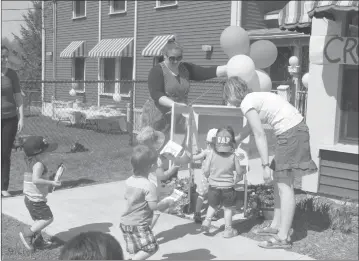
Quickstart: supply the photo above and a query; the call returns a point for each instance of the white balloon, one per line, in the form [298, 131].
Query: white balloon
[293, 61]
[254, 83]
[117, 97]
[72, 92]
[305, 80]
[265, 81]
[264, 53]
[241, 66]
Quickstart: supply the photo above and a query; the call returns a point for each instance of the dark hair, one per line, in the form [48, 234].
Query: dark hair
[92, 245]
[142, 158]
[230, 130]
[3, 47]
[171, 45]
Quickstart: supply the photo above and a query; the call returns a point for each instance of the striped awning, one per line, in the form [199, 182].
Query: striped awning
[294, 16]
[108, 48]
[74, 49]
[155, 47]
[322, 9]
[273, 33]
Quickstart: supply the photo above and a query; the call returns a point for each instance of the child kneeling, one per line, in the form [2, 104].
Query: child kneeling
[141, 197]
[36, 188]
[219, 168]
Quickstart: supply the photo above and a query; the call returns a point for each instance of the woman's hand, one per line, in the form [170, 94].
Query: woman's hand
[267, 175]
[20, 125]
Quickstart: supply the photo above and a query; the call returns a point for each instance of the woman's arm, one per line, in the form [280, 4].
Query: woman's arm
[243, 134]
[156, 87]
[259, 134]
[199, 73]
[18, 97]
[207, 165]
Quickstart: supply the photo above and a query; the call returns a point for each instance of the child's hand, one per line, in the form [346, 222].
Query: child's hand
[56, 183]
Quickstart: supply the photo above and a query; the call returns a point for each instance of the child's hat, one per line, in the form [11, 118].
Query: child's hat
[211, 135]
[35, 145]
[224, 142]
[148, 134]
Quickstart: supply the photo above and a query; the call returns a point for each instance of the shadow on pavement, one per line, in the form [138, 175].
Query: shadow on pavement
[178, 232]
[197, 254]
[67, 235]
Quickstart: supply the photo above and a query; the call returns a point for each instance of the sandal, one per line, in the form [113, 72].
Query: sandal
[266, 231]
[275, 243]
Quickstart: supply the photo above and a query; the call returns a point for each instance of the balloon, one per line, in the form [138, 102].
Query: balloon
[293, 61]
[254, 83]
[305, 80]
[72, 92]
[241, 66]
[117, 97]
[234, 40]
[265, 81]
[264, 53]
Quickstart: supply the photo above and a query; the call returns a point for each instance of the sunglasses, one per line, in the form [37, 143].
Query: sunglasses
[175, 58]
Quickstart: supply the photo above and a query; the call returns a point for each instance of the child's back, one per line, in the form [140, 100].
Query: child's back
[34, 192]
[222, 166]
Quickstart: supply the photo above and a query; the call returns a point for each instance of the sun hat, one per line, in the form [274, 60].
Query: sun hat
[148, 134]
[211, 134]
[35, 145]
[224, 142]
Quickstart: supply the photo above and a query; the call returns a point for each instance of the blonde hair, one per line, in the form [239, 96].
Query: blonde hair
[234, 91]
[171, 45]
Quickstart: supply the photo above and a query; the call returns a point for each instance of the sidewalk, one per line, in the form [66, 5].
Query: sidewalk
[99, 207]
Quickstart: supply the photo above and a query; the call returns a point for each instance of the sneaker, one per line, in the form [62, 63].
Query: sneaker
[39, 241]
[197, 218]
[230, 232]
[27, 239]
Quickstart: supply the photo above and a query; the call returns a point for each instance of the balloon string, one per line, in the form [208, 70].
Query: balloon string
[202, 94]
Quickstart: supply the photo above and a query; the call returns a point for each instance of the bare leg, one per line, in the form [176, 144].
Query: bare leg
[210, 213]
[228, 217]
[287, 199]
[39, 225]
[199, 204]
[277, 208]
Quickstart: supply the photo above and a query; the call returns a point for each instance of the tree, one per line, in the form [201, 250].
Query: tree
[30, 43]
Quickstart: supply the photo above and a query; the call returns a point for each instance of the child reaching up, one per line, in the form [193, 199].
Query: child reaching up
[36, 188]
[219, 168]
[141, 197]
[202, 187]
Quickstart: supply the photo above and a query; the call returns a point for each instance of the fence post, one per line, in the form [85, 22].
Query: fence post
[130, 129]
[284, 92]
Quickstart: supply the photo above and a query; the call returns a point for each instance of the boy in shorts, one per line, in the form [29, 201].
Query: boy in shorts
[36, 187]
[141, 197]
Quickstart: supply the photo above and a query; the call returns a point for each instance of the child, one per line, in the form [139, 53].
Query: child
[141, 196]
[202, 188]
[92, 245]
[149, 137]
[220, 167]
[36, 188]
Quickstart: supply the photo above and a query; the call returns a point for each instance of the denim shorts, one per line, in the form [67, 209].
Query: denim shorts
[38, 210]
[225, 197]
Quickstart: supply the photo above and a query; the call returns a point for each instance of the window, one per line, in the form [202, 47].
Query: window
[118, 6]
[349, 100]
[278, 71]
[115, 69]
[165, 3]
[78, 74]
[78, 9]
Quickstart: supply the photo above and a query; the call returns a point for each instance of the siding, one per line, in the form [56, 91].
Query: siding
[68, 30]
[195, 23]
[338, 174]
[253, 13]
[49, 89]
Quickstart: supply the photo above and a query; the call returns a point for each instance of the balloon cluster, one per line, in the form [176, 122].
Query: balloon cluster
[245, 60]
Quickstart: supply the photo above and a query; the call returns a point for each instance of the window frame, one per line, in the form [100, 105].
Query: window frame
[118, 73]
[158, 4]
[74, 17]
[73, 74]
[113, 12]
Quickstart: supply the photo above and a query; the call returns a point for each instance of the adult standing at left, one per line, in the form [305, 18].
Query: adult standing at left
[12, 117]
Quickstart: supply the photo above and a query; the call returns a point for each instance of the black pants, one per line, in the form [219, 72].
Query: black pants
[8, 133]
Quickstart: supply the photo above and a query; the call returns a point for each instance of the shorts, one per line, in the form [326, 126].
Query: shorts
[38, 210]
[139, 238]
[292, 157]
[221, 196]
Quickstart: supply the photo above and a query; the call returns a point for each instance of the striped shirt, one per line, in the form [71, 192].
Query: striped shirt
[34, 192]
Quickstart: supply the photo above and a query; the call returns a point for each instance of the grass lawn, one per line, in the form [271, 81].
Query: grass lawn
[106, 160]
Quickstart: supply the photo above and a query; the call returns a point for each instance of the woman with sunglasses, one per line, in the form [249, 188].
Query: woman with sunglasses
[12, 116]
[168, 83]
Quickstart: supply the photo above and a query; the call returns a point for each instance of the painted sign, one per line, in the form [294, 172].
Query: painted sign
[333, 50]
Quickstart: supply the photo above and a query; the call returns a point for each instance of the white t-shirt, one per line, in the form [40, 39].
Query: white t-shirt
[272, 110]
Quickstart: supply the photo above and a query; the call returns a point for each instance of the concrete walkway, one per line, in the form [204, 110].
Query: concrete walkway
[99, 207]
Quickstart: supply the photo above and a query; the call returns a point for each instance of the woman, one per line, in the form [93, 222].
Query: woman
[12, 116]
[292, 155]
[169, 83]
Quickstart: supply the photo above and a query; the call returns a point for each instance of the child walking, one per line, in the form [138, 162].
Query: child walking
[36, 188]
[202, 187]
[141, 197]
[219, 168]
